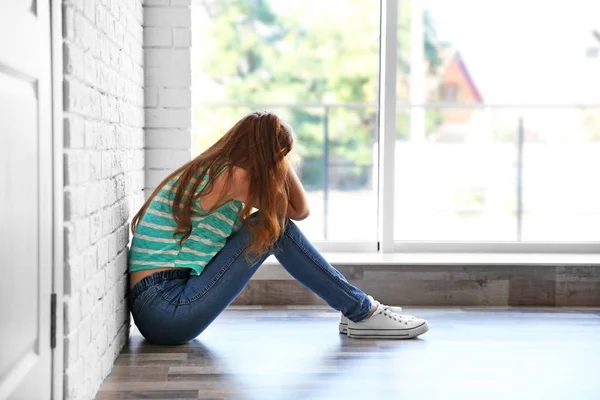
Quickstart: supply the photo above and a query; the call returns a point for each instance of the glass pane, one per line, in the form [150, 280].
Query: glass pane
[404, 50]
[319, 71]
[352, 178]
[561, 161]
[511, 51]
[459, 182]
[488, 77]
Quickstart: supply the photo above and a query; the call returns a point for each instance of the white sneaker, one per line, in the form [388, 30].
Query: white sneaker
[385, 324]
[343, 325]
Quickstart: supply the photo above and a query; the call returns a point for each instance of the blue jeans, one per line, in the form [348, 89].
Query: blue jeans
[173, 307]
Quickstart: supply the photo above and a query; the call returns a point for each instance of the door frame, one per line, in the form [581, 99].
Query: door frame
[56, 40]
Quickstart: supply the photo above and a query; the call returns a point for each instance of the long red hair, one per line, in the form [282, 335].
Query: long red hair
[258, 144]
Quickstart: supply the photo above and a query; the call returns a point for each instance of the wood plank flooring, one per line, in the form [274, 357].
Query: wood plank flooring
[285, 353]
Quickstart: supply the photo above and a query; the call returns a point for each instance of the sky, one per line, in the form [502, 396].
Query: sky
[525, 51]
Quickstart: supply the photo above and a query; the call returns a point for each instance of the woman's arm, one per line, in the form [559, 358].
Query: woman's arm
[298, 207]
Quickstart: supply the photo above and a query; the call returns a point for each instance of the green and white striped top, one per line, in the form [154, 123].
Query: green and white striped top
[153, 245]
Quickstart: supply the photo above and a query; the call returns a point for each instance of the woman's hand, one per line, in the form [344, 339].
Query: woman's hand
[298, 203]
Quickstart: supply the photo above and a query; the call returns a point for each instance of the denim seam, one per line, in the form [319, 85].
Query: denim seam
[141, 287]
[145, 296]
[150, 281]
[218, 276]
[335, 279]
[175, 302]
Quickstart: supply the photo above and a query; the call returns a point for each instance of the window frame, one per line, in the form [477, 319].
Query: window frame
[387, 133]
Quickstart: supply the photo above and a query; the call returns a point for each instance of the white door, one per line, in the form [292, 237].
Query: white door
[25, 199]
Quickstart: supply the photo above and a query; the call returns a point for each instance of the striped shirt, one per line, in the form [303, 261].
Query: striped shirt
[153, 245]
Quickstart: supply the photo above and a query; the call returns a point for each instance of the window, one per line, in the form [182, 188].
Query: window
[315, 64]
[496, 145]
[497, 134]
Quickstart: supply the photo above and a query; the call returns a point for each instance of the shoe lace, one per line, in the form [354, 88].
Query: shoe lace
[383, 305]
[388, 307]
[396, 317]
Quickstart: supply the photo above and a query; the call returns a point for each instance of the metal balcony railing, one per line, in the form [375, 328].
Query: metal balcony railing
[518, 136]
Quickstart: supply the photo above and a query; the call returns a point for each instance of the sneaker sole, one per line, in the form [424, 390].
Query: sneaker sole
[388, 333]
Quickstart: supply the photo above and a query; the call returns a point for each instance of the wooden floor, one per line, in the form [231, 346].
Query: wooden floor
[281, 353]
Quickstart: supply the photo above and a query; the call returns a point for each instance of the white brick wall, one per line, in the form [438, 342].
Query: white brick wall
[167, 41]
[108, 76]
[104, 180]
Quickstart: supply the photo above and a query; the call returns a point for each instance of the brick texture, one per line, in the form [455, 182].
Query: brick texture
[167, 41]
[104, 179]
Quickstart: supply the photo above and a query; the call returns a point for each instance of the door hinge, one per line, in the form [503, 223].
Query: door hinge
[53, 320]
[378, 246]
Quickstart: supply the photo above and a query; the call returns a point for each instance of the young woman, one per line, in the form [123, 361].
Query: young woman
[197, 241]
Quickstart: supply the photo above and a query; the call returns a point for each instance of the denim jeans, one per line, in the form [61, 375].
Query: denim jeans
[173, 307]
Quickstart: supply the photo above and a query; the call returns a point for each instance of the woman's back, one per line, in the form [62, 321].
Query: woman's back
[154, 246]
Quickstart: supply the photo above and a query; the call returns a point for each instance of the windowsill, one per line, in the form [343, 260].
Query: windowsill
[509, 259]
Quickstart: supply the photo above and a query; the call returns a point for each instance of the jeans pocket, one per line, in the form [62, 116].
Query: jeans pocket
[137, 305]
[173, 290]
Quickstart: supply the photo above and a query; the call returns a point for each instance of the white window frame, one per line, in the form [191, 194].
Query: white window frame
[386, 160]
[388, 60]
